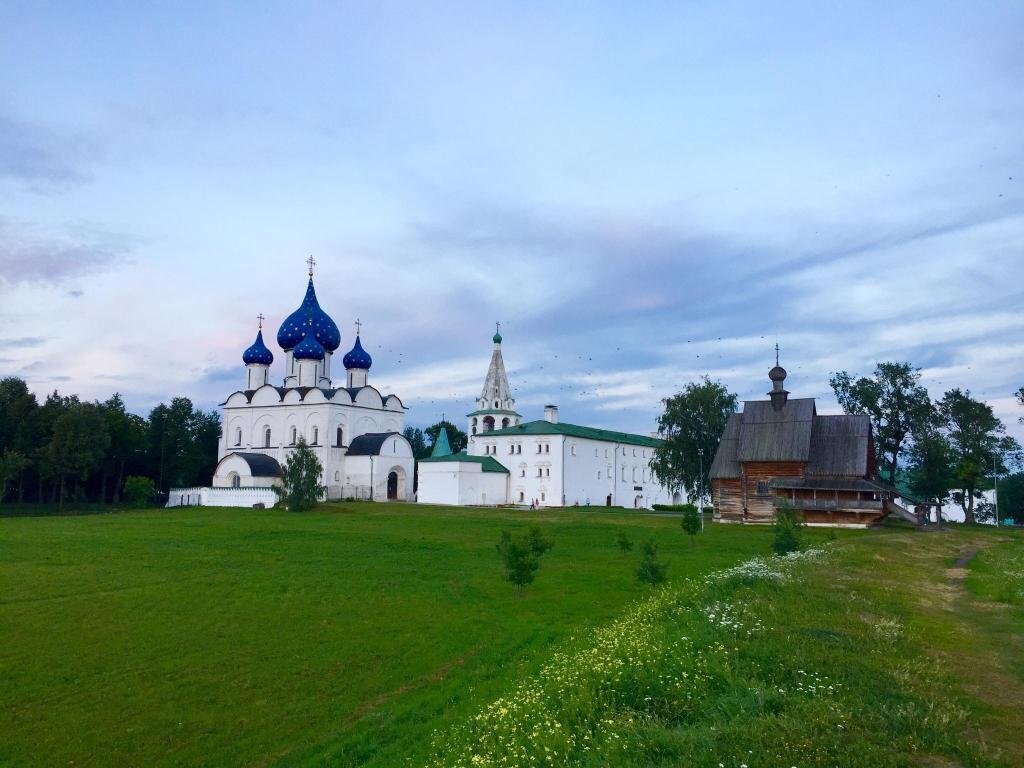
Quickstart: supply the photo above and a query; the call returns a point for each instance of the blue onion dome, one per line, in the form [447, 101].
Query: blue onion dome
[293, 329]
[309, 348]
[358, 357]
[258, 352]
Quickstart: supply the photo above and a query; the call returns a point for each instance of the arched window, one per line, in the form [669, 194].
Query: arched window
[496, 404]
[238, 436]
[316, 435]
[504, 422]
[341, 437]
[488, 423]
[236, 481]
[295, 435]
[266, 438]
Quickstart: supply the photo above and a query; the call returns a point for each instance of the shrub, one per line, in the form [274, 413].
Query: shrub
[537, 543]
[650, 571]
[139, 491]
[624, 542]
[300, 479]
[670, 507]
[691, 521]
[788, 530]
[521, 559]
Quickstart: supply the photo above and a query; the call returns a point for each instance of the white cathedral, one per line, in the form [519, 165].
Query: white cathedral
[355, 430]
[547, 463]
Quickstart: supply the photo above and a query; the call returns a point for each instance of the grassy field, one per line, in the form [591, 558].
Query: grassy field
[347, 635]
[383, 635]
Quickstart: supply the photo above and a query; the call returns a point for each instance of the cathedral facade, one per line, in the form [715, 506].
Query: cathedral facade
[354, 429]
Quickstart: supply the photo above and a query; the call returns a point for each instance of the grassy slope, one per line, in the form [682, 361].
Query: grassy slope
[214, 637]
[876, 656]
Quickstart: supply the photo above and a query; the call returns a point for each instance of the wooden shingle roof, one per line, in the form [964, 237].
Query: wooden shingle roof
[830, 446]
[770, 435]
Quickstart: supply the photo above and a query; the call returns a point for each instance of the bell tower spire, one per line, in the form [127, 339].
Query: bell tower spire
[495, 408]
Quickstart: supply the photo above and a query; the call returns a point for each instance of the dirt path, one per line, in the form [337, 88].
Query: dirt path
[981, 666]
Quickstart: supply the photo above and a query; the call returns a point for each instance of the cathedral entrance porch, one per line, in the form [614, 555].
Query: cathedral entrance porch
[396, 485]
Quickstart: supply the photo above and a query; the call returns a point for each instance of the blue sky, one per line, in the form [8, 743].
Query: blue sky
[642, 193]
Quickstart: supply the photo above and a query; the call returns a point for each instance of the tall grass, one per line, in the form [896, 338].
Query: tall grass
[714, 671]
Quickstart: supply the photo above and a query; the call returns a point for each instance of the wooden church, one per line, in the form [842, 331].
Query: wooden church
[780, 451]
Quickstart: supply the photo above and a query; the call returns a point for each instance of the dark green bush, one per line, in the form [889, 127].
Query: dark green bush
[789, 528]
[139, 491]
[650, 570]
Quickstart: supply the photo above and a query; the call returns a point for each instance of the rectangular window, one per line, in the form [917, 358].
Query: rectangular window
[599, 474]
[547, 471]
[572, 450]
[762, 487]
[540, 472]
[547, 449]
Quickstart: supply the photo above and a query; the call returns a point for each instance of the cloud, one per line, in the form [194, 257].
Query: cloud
[28, 256]
[25, 341]
[43, 160]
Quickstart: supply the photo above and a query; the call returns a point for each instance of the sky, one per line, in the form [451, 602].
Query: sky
[641, 193]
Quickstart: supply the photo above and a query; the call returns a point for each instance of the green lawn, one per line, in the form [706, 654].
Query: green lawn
[383, 635]
[343, 636]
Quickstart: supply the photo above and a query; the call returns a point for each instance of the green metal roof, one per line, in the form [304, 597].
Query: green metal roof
[542, 427]
[493, 411]
[441, 446]
[487, 463]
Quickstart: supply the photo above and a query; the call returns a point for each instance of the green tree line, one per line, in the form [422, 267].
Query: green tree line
[66, 449]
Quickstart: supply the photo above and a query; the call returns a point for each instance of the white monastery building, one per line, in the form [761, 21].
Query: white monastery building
[355, 430]
[545, 462]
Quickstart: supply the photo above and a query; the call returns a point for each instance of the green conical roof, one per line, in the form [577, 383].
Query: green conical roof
[441, 447]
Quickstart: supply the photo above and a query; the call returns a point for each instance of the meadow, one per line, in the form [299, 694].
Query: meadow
[384, 635]
[239, 637]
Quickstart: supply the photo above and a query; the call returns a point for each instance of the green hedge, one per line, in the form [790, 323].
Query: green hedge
[674, 507]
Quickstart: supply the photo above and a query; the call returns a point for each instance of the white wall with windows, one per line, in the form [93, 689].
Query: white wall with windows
[563, 470]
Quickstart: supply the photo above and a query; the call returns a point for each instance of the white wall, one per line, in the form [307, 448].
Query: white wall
[571, 473]
[368, 475]
[221, 497]
[460, 483]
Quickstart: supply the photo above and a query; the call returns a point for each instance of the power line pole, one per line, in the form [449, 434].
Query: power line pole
[700, 498]
[995, 488]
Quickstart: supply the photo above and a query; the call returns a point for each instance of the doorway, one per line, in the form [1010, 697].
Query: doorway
[392, 486]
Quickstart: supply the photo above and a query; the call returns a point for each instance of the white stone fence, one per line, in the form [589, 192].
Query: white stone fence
[222, 497]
